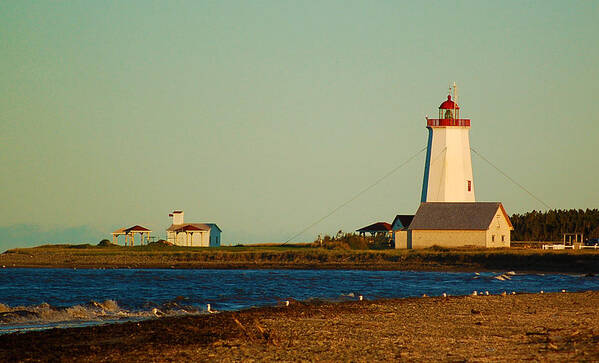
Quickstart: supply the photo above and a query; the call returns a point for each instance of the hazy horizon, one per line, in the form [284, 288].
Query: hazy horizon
[264, 116]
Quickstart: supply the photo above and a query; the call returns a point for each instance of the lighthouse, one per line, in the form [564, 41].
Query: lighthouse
[448, 165]
[448, 215]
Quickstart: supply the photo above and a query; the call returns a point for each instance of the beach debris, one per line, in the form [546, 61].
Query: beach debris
[503, 293]
[472, 311]
[512, 273]
[513, 293]
[477, 273]
[157, 313]
[424, 295]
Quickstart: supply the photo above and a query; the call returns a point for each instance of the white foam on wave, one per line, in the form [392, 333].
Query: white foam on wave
[43, 316]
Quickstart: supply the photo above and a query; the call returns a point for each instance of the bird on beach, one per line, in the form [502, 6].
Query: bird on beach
[209, 309]
[487, 293]
[286, 302]
[503, 293]
[360, 297]
[444, 294]
[474, 293]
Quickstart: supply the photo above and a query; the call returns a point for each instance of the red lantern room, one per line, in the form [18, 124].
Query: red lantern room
[449, 115]
[449, 109]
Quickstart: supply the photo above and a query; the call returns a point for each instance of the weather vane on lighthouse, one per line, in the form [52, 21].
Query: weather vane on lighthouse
[448, 166]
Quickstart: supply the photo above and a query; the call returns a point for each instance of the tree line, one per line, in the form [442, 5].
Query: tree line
[552, 224]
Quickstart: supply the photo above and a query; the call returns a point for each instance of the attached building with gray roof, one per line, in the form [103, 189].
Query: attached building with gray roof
[459, 224]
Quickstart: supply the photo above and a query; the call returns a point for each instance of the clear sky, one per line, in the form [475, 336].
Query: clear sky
[263, 116]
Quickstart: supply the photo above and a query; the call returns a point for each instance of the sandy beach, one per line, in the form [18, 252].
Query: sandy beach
[539, 327]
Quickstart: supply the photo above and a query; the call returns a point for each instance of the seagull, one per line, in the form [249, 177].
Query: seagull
[503, 293]
[444, 294]
[513, 293]
[474, 293]
[286, 302]
[563, 290]
[361, 297]
[208, 309]
[487, 293]
[542, 292]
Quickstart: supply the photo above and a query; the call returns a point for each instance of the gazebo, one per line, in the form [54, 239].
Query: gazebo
[375, 229]
[129, 234]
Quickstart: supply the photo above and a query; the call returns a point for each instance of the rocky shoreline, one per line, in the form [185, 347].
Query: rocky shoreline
[539, 327]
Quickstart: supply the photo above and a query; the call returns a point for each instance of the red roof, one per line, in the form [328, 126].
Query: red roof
[376, 227]
[190, 227]
[138, 228]
[449, 104]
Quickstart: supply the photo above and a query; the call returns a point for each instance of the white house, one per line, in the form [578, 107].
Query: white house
[192, 234]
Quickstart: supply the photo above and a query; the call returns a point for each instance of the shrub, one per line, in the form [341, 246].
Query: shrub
[105, 243]
[352, 241]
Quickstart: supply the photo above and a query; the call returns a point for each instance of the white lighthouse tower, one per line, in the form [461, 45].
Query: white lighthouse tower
[448, 166]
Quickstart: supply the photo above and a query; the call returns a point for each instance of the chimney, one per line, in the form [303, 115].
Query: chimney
[177, 216]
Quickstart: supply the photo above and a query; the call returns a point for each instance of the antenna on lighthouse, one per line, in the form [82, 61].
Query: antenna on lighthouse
[455, 94]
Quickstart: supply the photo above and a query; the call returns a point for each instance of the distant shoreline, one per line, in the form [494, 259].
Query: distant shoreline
[270, 257]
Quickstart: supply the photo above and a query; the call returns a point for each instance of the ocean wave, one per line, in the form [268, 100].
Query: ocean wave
[93, 311]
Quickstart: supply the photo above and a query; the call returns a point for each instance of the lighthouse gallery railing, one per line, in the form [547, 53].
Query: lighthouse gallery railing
[447, 122]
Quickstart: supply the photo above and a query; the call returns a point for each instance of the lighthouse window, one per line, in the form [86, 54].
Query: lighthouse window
[493, 238]
[469, 185]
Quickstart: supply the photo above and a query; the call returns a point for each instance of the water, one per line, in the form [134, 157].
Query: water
[42, 298]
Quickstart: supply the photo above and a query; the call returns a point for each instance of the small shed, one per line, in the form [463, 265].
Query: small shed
[399, 229]
[458, 224]
[192, 234]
